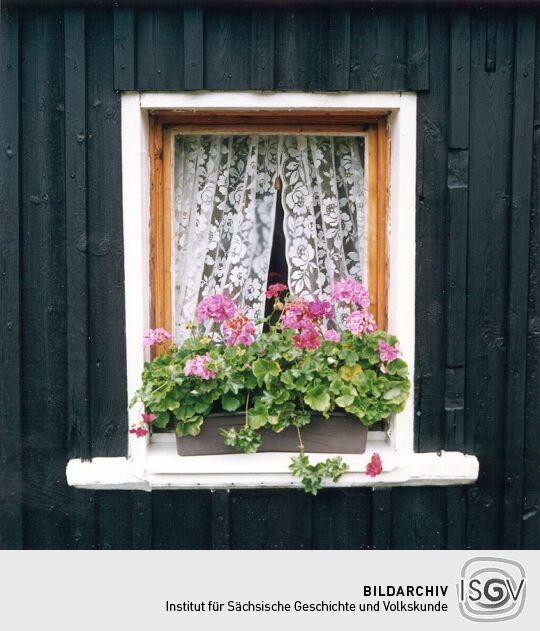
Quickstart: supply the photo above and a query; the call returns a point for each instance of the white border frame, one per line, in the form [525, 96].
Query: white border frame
[155, 465]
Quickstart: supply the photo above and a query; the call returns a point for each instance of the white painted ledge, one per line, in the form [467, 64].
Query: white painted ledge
[164, 469]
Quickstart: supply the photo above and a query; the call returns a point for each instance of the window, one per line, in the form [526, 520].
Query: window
[390, 118]
[233, 194]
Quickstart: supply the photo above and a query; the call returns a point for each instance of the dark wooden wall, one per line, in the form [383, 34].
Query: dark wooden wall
[62, 350]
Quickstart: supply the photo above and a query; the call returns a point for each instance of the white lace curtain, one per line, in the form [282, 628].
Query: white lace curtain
[224, 214]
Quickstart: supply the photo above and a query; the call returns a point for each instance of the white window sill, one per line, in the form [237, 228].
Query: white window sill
[163, 468]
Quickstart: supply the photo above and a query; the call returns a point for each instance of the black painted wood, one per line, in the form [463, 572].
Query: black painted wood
[339, 50]
[79, 431]
[11, 431]
[520, 226]
[262, 50]
[124, 49]
[460, 72]
[193, 49]
[418, 50]
[221, 527]
[381, 519]
[108, 390]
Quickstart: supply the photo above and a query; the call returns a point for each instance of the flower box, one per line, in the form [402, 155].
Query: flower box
[340, 434]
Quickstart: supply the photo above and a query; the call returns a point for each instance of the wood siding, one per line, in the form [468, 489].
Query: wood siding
[62, 346]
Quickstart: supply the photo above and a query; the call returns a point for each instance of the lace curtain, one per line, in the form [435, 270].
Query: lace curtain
[224, 213]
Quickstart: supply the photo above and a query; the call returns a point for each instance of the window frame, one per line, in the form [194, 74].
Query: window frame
[164, 125]
[154, 464]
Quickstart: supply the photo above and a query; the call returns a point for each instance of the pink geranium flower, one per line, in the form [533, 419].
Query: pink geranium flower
[216, 307]
[148, 418]
[155, 336]
[198, 366]
[331, 336]
[374, 466]
[359, 322]
[308, 338]
[387, 352]
[297, 315]
[350, 291]
[138, 431]
[275, 289]
[238, 330]
[320, 309]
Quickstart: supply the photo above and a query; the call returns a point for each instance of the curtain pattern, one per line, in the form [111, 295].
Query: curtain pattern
[224, 209]
[224, 213]
[324, 202]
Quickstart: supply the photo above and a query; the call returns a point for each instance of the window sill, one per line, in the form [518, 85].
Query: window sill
[162, 468]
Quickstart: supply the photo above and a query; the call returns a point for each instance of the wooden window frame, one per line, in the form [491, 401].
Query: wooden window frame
[164, 125]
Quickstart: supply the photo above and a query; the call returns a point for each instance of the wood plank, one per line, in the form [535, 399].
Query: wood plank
[418, 50]
[342, 519]
[522, 147]
[43, 272]
[221, 534]
[381, 519]
[141, 520]
[124, 49]
[227, 49]
[114, 520]
[339, 50]
[454, 409]
[430, 239]
[460, 72]
[531, 474]
[419, 518]
[107, 365]
[181, 520]
[378, 51]
[193, 49]
[490, 152]
[79, 431]
[160, 49]
[262, 50]
[10, 290]
[456, 518]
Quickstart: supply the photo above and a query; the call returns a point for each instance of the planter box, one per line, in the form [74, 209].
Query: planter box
[340, 434]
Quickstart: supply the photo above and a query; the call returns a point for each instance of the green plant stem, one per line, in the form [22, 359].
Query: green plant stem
[300, 443]
[247, 405]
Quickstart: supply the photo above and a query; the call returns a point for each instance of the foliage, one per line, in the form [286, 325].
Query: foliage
[279, 382]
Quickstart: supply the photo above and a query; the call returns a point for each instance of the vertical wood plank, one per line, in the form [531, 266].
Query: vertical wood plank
[418, 51]
[221, 529]
[531, 478]
[43, 274]
[79, 431]
[455, 518]
[11, 526]
[181, 520]
[193, 48]
[522, 146]
[160, 49]
[339, 50]
[460, 72]
[107, 363]
[430, 238]
[262, 50]
[381, 519]
[342, 519]
[141, 520]
[418, 518]
[124, 49]
[227, 50]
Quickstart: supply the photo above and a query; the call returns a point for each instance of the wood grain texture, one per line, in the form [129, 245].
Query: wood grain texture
[418, 50]
[193, 49]
[43, 290]
[108, 390]
[124, 49]
[160, 49]
[520, 227]
[221, 527]
[262, 50]
[11, 430]
[79, 431]
[339, 50]
[460, 72]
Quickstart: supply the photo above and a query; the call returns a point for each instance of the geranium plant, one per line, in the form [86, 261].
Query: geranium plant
[311, 356]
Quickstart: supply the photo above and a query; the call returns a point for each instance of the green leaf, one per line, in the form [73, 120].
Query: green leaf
[230, 402]
[162, 420]
[318, 399]
[262, 367]
[392, 394]
[345, 400]
[257, 417]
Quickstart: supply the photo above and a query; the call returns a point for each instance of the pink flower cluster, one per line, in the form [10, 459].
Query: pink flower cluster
[275, 289]
[141, 429]
[216, 307]
[155, 336]
[304, 316]
[374, 466]
[350, 292]
[359, 322]
[238, 330]
[387, 352]
[198, 366]
[331, 336]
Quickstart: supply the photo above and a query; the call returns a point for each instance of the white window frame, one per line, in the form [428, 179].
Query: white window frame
[153, 462]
